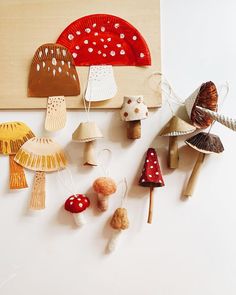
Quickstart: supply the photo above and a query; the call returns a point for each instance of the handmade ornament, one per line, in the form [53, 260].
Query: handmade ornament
[102, 41]
[41, 155]
[222, 119]
[151, 177]
[88, 133]
[175, 127]
[53, 75]
[204, 143]
[205, 96]
[12, 136]
[133, 111]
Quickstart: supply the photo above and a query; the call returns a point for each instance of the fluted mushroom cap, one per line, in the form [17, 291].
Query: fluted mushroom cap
[87, 131]
[176, 127]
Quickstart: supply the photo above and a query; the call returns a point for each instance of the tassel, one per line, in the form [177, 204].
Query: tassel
[17, 178]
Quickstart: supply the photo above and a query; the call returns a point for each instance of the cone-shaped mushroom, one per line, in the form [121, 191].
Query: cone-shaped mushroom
[151, 177]
[204, 143]
[133, 111]
[119, 222]
[12, 136]
[88, 133]
[175, 127]
[205, 96]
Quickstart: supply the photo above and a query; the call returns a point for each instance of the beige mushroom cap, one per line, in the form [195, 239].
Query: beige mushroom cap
[120, 219]
[87, 131]
[133, 108]
[105, 186]
[176, 127]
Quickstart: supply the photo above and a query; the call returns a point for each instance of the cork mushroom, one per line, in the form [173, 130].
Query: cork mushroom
[205, 96]
[133, 111]
[76, 205]
[12, 136]
[53, 75]
[119, 222]
[175, 127]
[88, 133]
[105, 187]
[102, 41]
[204, 143]
[151, 177]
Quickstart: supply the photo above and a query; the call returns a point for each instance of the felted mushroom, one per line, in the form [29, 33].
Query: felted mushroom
[151, 177]
[104, 187]
[205, 96]
[76, 205]
[88, 133]
[175, 127]
[102, 41]
[40, 155]
[119, 222]
[53, 75]
[204, 143]
[12, 136]
[133, 111]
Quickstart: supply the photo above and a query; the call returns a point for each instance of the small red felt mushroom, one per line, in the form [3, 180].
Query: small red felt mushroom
[76, 205]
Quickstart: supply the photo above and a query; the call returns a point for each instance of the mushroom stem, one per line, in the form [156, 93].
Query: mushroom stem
[173, 160]
[89, 153]
[37, 201]
[102, 202]
[151, 203]
[17, 176]
[79, 219]
[194, 176]
[134, 129]
[112, 244]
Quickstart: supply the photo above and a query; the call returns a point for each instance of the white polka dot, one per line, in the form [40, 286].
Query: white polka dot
[74, 77]
[78, 32]
[68, 64]
[105, 46]
[94, 25]
[38, 67]
[67, 73]
[135, 38]
[72, 198]
[80, 205]
[62, 62]
[88, 30]
[102, 40]
[96, 34]
[112, 53]
[109, 39]
[116, 25]
[155, 162]
[122, 36]
[150, 175]
[51, 51]
[44, 64]
[122, 52]
[77, 47]
[85, 200]
[40, 53]
[90, 49]
[64, 52]
[142, 55]
[70, 37]
[104, 55]
[86, 41]
[48, 68]
[151, 167]
[59, 70]
[94, 43]
[103, 29]
[46, 51]
[99, 52]
[71, 203]
[156, 173]
[54, 61]
[54, 72]
[143, 180]
[152, 154]
[118, 45]
[147, 161]
[74, 54]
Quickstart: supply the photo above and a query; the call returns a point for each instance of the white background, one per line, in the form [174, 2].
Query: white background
[191, 247]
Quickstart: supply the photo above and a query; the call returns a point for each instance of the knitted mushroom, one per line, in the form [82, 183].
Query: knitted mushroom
[119, 222]
[76, 205]
[133, 111]
[104, 187]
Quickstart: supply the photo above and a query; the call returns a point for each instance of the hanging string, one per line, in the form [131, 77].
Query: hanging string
[102, 165]
[124, 197]
[70, 187]
[86, 108]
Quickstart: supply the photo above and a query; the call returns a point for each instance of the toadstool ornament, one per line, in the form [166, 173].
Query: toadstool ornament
[104, 187]
[205, 96]
[53, 75]
[175, 127]
[119, 222]
[12, 136]
[88, 133]
[102, 41]
[204, 143]
[133, 111]
[41, 155]
[151, 177]
[77, 205]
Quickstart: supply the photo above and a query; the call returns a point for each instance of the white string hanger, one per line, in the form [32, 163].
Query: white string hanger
[104, 165]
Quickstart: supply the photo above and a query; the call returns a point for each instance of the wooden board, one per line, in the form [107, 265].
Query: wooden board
[25, 25]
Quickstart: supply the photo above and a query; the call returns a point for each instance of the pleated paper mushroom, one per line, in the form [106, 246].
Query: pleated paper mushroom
[102, 41]
[41, 155]
[53, 75]
[133, 111]
[88, 133]
[151, 177]
[205, 96]
[204, 143]
[175, 127]
[12, 136]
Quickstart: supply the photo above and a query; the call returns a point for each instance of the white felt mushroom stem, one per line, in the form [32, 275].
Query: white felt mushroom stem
[173, 152]
[194, 176]
[102, 202]
[114, 241]
[134, 129]
[89, 153]
[79, 219]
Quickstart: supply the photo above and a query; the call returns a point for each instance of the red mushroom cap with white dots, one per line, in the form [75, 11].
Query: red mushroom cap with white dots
[77, 204]
[103, 39]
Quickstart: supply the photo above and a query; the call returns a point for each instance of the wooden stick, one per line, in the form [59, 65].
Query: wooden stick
[150, 206]
[194, 176]
[134, 129]
[89, 154]
[173, 161]
[37, 201]
[17, 178]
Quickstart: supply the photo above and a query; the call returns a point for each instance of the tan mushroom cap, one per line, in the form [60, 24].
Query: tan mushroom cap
[133, 108]
[176, 127]
[120, 219]
[105, 186]
[87, 131]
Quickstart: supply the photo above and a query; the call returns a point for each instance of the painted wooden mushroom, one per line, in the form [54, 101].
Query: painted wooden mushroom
[151, 177]
[12, 136]
[53, 75]
[175, 127]
[205, 96]
[204, 143]
[133, 111]
[88, 133]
